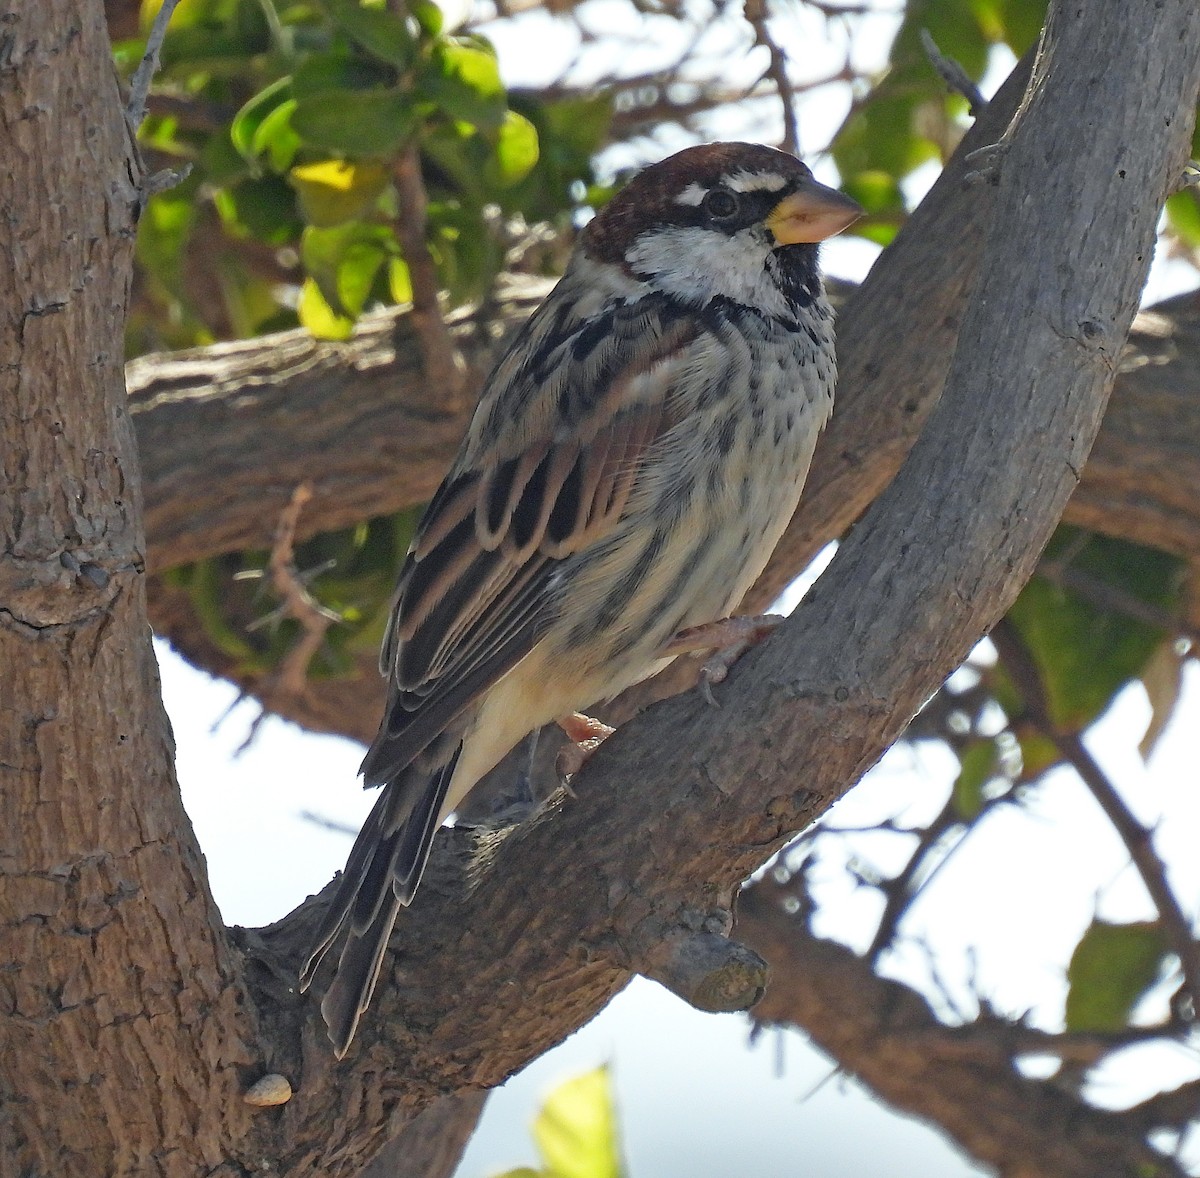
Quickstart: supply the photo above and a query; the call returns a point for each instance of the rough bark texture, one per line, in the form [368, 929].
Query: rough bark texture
[124, 1023]
[133, 1044]
[885, 1034]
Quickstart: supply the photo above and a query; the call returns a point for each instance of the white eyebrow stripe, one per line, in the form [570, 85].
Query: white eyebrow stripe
[693, 194]
[755, 182]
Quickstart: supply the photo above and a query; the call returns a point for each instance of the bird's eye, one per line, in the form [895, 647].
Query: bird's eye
[720, 203]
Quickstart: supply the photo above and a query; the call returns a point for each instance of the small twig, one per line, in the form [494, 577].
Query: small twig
[899, 890]
[1137, 839]
[984, 164]
[139, 86]
[953, 74]
[443, 362]
[839, 11]
[1189, 178]
[989, 1035]
[1175, 1109]
[1109, 597]
[251, 732]
[777, 71]
[328, 823]
[164, 180]
[298, 603]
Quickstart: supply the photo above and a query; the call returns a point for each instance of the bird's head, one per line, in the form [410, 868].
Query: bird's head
[723, 220]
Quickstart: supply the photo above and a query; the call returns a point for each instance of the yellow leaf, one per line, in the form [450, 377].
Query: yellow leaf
[319, 317]
[332, 192]
[1162, 678]
[576, 1131]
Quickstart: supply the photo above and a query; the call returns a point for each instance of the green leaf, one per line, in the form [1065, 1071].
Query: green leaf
[516, 151]
[1111, 969]
[1084, 652]
[1183, 216]
[364, 123]
[978, 768]
[882, 135]
[322, 72]
[1022, 22]
[263, 208]
[464, 80]
[467, 253]
[319, 317]
[374, 28]
[344, 262]
[880, 194]
[250, 118]
[163, 233]
[399, 280]
[1038, 753]
[188, 13]
[334, 191]
[428, 16]
[576, 1130]
[955, 28]
[275, 137]
[360, 264]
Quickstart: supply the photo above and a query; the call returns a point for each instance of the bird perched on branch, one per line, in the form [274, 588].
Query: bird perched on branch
[634, 458]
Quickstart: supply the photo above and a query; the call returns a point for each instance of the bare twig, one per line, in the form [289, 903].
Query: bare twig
[1189, 178]
[953, 75]
[1176, 1109]
[989, 1036]
[139, 87]
[777, 71]
[1110, 597]
[298, 603]
[164, 180]
[1137, 839]
[329, 824]
[444, 365]
[900, 890]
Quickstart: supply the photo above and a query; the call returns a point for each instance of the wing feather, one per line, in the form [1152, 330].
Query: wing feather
[476, 590]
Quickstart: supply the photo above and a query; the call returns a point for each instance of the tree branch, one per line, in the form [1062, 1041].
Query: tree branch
[1176, 925]
[480, 985]
[961, 1079]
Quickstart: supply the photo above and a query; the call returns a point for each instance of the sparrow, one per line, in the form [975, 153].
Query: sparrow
[635, 455]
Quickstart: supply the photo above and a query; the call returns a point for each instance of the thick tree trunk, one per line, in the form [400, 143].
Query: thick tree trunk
[124, 1024]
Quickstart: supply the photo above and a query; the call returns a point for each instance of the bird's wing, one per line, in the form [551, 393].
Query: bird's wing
[554, 449]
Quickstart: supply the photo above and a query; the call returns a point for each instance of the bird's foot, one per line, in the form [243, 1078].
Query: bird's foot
[728, 638]
[586, 734]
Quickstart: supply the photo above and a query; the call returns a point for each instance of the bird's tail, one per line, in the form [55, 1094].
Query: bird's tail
[381, 874]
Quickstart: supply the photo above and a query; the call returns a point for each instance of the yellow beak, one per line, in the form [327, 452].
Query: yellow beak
[812, 213]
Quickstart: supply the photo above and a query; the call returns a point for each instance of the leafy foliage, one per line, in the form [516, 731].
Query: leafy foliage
[351, 572]
[909, 118]
[293, 116]
[1111, 969]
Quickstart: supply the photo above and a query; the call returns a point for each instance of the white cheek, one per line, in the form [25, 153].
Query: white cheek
[700, 264]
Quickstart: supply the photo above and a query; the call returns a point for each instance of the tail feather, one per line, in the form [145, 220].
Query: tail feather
[382, 873]
[349, 993]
